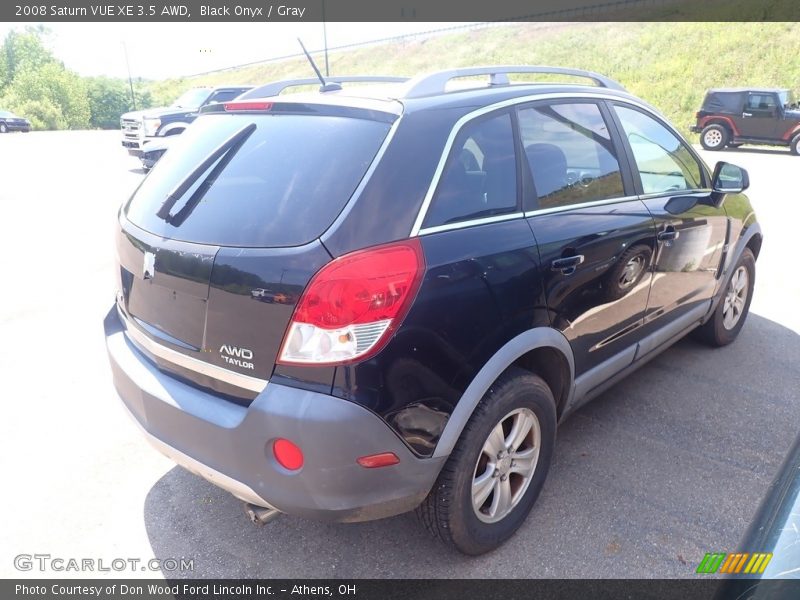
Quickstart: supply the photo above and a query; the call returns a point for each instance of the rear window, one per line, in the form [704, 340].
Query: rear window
[730, 102]
[283, 186]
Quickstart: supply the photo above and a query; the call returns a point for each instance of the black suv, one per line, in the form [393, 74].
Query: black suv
[451, 274]
[736, 116]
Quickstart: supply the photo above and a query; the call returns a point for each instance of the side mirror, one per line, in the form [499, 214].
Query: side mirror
[728, 179]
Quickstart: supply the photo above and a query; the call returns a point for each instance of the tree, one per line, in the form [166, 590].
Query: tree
[42, 114]
[54, 85]
[108, 99]
[36, 85]
[23, 51]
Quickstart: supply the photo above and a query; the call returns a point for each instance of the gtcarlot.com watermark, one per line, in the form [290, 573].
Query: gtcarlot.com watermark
[59, 564]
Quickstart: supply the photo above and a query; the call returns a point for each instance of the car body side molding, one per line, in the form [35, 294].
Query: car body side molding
[538, 337]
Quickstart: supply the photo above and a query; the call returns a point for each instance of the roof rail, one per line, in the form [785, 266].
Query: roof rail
[435, 83]
[276, 87]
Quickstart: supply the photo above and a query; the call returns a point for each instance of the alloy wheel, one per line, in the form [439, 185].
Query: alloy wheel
[506, 465]
[735, 298]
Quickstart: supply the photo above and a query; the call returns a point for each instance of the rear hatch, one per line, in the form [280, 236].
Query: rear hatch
[219, 241]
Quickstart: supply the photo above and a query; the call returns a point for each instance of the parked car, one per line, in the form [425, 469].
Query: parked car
[11, 122]
[153, 151]
[144, 126]
[462, 271]
[769, 564]
[736, 116]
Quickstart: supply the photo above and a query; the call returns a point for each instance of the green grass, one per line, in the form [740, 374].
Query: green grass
[669, 65]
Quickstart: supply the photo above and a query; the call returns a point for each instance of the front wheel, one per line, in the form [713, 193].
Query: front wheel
[3, 128]
[714, 137]
[728, 319]
[497, 469]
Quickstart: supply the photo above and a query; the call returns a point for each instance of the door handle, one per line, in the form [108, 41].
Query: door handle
[568, 264]
[747, 114]
[668, 234]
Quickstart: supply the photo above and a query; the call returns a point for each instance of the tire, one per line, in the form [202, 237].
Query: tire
[714, 137]
[3, 128]
[627, 272]
[794, 146]
[449, 513]
[727, 321]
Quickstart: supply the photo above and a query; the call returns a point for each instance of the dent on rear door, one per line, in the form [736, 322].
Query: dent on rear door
[595, 240]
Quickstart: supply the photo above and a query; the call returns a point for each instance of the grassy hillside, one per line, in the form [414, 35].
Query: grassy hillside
[668, 64]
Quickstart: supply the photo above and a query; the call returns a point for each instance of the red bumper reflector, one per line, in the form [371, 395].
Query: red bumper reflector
[288, 455]
[373, 461]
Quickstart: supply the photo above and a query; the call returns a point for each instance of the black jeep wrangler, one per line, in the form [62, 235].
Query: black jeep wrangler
[736, 116]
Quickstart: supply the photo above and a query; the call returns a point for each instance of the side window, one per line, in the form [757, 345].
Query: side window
[662, 159]
[761, 102]
[223, 96]
[480, 177]
[570, 154]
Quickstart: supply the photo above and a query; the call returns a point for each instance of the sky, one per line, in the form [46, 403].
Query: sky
[161, 50]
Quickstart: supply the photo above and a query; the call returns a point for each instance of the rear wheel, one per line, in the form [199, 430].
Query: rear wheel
[714, 137]
[728, 319]
[794, 147]
[498, 467]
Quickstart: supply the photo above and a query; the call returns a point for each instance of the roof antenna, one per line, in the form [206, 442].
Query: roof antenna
[325, 87]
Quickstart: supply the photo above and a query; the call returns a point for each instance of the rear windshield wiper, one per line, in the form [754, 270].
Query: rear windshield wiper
[231, 145]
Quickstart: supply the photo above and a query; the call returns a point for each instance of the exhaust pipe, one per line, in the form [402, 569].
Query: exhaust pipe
[260, 515]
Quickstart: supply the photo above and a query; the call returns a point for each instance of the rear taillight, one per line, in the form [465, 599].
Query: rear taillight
[353, 304]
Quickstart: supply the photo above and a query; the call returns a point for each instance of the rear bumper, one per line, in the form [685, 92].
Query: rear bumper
[230, 445]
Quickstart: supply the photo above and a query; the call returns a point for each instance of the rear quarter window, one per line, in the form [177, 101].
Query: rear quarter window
[283, 186]
[480, 179]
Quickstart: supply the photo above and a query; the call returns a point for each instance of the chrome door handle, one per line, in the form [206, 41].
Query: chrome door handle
[567, 265]
[668, 234]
